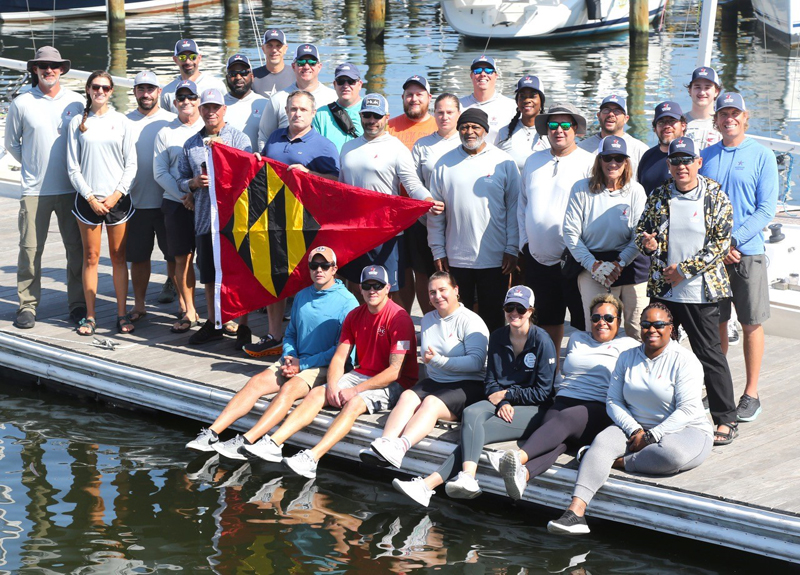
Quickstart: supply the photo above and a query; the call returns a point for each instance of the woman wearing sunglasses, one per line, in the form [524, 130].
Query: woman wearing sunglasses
[660, 427]
[519, 378]
[453, 348]
[520, 138]
[579, 411]
[101, 161]
[599, 224]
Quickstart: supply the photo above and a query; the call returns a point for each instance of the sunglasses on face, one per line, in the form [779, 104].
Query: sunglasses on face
[681, 160]
[48, 66]
[483, 70]
[606, 317]
[614, 158]
[190, 97]
[98, 87]
[515, 307]
[553, 126]
[372, 286]
[371, 116]
[242, 73]
[314, 266]
[184, 57]
[659, 325]
[343, 81]
[304, 61]
[664, 122]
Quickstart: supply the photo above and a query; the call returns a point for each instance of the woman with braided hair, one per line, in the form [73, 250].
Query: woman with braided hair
[520, 138]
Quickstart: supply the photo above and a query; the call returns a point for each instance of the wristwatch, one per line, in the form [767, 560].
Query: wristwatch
[648, 438]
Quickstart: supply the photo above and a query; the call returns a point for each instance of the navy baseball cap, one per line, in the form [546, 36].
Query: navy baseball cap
[212, 96]
[667, 109]
[274, 34]
[706, 73]
[186, 45]
[683, 145]
[375, 103]
[188, 85]
[614, 99]
[529, 81]
[417, 79]
[375, 273]
[612, 145]
[348, 70]
[483, 60]
[730, 100]
[238, 59]
[306, 51]
[146, 77]
[521, 295]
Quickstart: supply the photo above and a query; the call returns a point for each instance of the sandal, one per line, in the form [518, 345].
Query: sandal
[184, 325]
[86, 322]
[135, 315]
[230, 328]
[726, 437]
[124, 324]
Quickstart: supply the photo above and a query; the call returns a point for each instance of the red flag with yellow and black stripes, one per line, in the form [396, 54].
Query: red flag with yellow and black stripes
[268, 218]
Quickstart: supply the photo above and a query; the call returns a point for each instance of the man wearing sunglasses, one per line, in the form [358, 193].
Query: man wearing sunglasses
[311, 340]
[187, 57]
[36, 137]
[686, 228]
[669, 123]
[340, 121]
[547, 181]
[499, 109]
[306, 67]
[244, 106]
[273, 76]
[613, 117]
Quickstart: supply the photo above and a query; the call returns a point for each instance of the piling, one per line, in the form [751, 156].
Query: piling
[376, 20]
[636, 81]
[231, 8]
[352, 17]
[230, 30]
[266, 10]
[115, 14]
[118, 64]
[639, 14]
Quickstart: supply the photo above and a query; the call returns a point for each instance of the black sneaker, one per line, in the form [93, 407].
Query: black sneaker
[568, 524]
[25, 319]
[205, 334]
[243, 337]
[748, 408]
[168, 292]
[265, 346]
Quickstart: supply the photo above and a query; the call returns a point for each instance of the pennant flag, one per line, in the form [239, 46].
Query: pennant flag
[266, 219]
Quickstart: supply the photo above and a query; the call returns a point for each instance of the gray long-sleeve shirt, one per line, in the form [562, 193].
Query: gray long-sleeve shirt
[146, 193]
[245, 115]
[460, 340]
[36, 136]
[101, 160]
[479, 223]
[274, 116]
[603, 221]
[168, 153]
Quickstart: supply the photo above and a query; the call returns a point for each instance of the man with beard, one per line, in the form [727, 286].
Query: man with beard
[339, 121]
[477, 237]
[36, 137]
[274, 76]
[499, 109]
[669, 123]
[245, 107]
[187, 57]
[147, 222]
[416, 121]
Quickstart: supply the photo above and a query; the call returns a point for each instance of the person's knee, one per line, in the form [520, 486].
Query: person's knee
[294, 389]
[431, 404]
[261, 383]
[117, 256]
[354, 407]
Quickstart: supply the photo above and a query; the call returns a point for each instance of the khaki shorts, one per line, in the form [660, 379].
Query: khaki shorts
[376, 399]
[313, 376]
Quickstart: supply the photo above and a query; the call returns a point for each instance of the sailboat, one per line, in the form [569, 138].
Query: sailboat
[26, 11]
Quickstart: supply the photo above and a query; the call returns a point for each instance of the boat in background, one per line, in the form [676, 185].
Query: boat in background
[26, 11]
[518, 19]
[782, 18]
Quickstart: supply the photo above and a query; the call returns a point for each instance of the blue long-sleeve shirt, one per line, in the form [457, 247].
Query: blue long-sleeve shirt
[529, 377]
[748, 174]
[316, 324]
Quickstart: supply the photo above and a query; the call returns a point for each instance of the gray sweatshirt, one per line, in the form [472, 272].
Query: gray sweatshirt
[204, 82]
[146, 193]
[460, 341]
[168, 153]
[479, 223]
[522, 143]
[275, 115]
[36, 136]
[101, 160]
[603, 221]
[245, 115]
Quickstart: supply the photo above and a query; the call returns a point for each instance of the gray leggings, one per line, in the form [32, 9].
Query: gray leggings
[481, 426]
[679, 451]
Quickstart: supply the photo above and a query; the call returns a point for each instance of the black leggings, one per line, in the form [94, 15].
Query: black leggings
[568, 421]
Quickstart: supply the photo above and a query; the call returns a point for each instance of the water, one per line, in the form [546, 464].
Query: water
[86, 488]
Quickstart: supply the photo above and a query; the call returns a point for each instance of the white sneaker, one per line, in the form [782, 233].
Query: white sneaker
[302, 464]
[415, 489]
[230, 448]
[390, 449]
[265, 449]
[204, 441]
[464, 486]
[494, 459]
[733, 333]
[513, 473]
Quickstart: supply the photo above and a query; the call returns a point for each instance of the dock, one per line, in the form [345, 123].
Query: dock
[745, 496]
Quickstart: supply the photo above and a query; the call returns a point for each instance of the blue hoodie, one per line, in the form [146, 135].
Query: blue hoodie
[748, 173]
[316, 324]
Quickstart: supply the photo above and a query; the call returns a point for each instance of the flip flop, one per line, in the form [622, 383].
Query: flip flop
[184, 325]
[226, 328]
[135, 315]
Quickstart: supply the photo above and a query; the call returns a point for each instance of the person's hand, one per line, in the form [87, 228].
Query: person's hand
[637, 442]
[97, 206]
[506, 413]
[258, 157]
[596, 265]
[497, 397]
[347, 394]
[298, 167]
[615, 273]
[290, 367]
[188, 202]
[649, 241]
[111, 200]
[437, 207]
[441, 265]
[428, 355]
[199, 181]
[332, 395]
[734, 257]
[509, 264]
[672, 275]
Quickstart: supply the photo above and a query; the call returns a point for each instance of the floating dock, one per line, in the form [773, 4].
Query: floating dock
[745, 496]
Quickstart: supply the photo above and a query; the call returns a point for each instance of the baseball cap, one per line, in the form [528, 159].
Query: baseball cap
[238, 59]
[375, 103]
[521, 295]
[730, 100]
[186, 45]
[306, 51]
[146, 77]
[376, 273]
[683, 145]
[528, 81]
[483, 60]
[323, 251]
[212, 96]
[189, 85]
[348, 70]
[705, 73]
[614, 99]
[612, 145]
[274, 34]
[668, 109]
[417, 79]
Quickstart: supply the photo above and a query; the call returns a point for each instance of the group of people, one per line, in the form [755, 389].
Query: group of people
[634, 242]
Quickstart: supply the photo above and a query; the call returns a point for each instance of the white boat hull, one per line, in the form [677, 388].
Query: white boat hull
[511, 19]
[783, 260]
[145, 6]
[782, 17]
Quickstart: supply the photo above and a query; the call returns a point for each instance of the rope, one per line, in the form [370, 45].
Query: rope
[178, 17]
[256, 31]
[30, 23]
[769, 98]
[53, 25]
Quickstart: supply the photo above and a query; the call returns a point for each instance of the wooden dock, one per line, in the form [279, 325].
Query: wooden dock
[744, 496]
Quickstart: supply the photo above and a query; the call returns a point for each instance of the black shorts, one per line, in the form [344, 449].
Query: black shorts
[144, 225]
[205, 259]
[456, 396]
[119, 214]
[179, 224]
[390, 255]
[418, 252]
[553, 294]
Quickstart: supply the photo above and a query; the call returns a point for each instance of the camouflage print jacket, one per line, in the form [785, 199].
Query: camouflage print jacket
[718, 216]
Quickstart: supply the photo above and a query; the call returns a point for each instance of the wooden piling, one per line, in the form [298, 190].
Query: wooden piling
[231, 8]
[639, 14]
[376, 20]
[115, 15]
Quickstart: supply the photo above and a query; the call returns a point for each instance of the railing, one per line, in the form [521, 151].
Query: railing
[83, 75]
